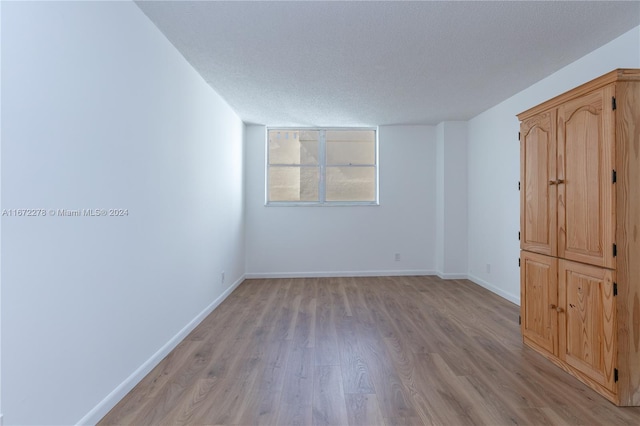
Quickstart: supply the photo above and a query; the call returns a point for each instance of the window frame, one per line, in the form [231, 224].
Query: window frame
[322, 168]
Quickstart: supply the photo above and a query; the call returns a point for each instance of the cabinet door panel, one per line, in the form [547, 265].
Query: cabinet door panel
[538, 223]
[587, 325]
[538, 288]
[586, 198]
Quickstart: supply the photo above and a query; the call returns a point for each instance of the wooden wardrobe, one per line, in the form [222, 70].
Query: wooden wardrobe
[580, 233]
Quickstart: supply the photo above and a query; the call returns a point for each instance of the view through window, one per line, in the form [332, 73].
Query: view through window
[321, 166]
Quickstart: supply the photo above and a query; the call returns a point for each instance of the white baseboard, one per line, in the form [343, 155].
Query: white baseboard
[100, 410]
[330, 274]
[384, 273]
[452, 276]
[510, 297]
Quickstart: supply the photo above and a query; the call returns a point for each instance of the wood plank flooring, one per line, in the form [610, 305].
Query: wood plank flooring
[361, 351]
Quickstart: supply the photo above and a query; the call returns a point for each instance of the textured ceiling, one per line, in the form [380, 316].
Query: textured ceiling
[374, 63]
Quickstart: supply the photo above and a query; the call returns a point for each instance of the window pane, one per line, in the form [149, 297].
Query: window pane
[293, 147]
[351, 183]
[346, 147]
[293, 183]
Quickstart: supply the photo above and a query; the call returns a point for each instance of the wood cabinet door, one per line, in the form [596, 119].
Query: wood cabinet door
[538, 296]
[538, 218]
[587, 324]
[586, 193]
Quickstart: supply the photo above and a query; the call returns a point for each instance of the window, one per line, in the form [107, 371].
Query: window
[322, 167]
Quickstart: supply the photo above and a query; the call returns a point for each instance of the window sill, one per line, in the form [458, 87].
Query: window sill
[316, 204]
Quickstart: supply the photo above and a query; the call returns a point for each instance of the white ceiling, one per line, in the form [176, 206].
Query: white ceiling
[373, 63]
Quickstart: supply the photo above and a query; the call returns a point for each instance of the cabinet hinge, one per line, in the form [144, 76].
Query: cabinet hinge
[615, 289]
[519, 319]
[518, 235]
[518, 263]
[614, 176]
[518, 185]
[615, 250]
[615, 374]
[613, 103]
[519, 134]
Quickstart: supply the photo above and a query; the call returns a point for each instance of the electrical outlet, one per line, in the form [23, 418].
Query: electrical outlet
[397, 257]
[222, 277]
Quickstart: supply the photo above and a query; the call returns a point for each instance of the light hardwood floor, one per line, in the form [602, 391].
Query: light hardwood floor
[361, 351]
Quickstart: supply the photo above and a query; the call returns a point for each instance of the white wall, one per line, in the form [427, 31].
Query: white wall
[494, 164]
[439, 199]
[451, 199]
[1, 415]
[362, 240]
[100, 111]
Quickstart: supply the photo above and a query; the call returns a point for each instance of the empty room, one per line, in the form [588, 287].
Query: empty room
[320, 213]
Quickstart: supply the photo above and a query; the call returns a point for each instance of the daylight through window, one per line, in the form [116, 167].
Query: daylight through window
[322, 166]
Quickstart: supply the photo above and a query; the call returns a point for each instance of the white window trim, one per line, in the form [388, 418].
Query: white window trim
[322, 168]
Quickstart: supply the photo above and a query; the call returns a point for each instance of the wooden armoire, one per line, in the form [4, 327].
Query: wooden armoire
[580, 233]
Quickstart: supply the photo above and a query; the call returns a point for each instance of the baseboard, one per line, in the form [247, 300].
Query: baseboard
[385, 273]
[334, 274]
[100, 410]
[451, 276]
[510, 297]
